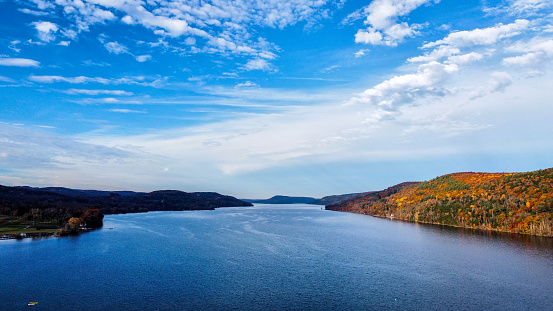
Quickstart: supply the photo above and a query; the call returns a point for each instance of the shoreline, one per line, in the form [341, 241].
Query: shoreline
[482, 229]
[41, 235]
[32, 235]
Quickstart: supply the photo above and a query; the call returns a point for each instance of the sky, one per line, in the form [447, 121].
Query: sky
[258, 98]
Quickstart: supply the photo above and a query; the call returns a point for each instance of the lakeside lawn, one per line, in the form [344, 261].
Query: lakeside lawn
[10, 225]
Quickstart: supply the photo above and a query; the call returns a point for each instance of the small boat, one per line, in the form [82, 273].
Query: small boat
[32, 303]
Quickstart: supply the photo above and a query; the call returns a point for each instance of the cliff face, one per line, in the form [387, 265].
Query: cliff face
[512, 202]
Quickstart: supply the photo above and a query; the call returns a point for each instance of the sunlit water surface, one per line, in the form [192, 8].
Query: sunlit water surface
[276, 257]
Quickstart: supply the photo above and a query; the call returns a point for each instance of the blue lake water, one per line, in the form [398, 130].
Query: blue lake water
[276, 257]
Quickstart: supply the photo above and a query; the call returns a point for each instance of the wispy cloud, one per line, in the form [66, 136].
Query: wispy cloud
[522, 7]
[116, 48]
[98, 92]
[143, 58]
[126, 111]
[138, 80]
[485, 36]
[19, 62]
[257, 64]
[361, 53]
[224, 26]
[6, 79]
[106, 100]
[33, 12]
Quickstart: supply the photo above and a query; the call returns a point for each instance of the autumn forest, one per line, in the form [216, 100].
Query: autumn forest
[510, 202]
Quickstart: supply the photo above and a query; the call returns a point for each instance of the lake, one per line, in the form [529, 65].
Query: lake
[276, 257]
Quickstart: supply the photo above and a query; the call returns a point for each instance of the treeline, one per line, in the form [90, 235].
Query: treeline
[48, 206]
[520, 203]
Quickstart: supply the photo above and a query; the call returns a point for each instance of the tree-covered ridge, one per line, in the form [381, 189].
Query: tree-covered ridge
[51, 209]
[521, 203]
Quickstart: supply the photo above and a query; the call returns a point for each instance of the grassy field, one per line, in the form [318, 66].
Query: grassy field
[14, 225]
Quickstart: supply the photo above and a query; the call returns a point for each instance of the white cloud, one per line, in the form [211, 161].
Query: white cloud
[19, 62]
[436, 54]
[116, 48]
[43, 5]
[486, 36]
[383, 20]
[536, 54]
[85, 14]
[72, 80]
[527, 59]
[369, 36]
[138, 80]
[247, 84]
[405, 89]
[32, 12]
[361, 52]
[225, 26]
[257, 64]
[127, 20]
[126, 111]
[105, 100]
[46, 30]
[190, 41]
[13, 46]
[143, 58]
[530, 5]
[465, 58]
[522, 7]
[97, 92]
[6, 79]
[330, 68]
[536, 44]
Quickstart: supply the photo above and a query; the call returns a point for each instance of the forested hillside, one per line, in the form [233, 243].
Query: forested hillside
[45, 210]
[513, 202]
[357, 203]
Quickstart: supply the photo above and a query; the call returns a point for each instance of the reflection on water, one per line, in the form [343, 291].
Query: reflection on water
[530, 242]
[276, 257]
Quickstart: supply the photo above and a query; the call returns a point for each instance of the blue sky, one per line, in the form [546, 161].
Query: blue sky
[257, 98]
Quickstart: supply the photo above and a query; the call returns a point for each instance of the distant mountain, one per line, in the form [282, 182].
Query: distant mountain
[331, 199]
[281, 199]
[511, 202]
[335, 199]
